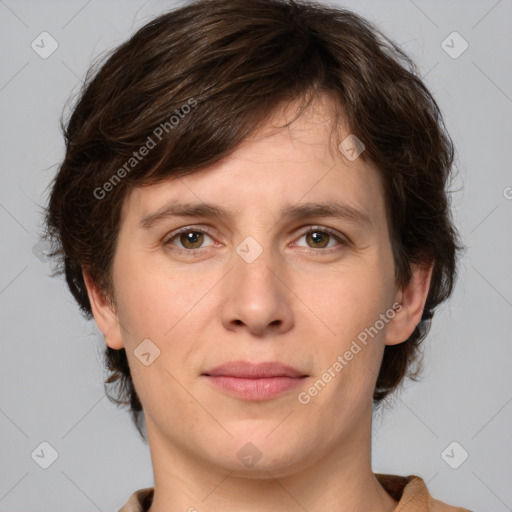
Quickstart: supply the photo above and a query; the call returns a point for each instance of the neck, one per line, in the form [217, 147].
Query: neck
[340, 480]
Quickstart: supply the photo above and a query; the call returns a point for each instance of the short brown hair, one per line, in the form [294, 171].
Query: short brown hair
[221, 68]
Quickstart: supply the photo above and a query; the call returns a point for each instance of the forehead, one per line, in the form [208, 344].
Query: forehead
[275, 168]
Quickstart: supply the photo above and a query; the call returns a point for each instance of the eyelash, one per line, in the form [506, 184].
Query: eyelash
[206, 231]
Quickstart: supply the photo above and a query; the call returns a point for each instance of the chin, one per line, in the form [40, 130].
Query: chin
[255, 456]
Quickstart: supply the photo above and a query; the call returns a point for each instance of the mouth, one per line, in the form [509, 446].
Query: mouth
[255, 381]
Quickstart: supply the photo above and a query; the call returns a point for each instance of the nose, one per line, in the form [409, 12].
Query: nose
[257, 293]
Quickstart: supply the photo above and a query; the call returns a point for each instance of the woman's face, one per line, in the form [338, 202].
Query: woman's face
[258, 288]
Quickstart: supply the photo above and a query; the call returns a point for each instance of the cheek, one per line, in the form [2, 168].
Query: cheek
[152, 299]
[352, 301]
[155, 307]
[170, 310]
[351, 305]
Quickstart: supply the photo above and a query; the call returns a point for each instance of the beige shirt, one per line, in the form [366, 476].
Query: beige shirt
[411, 492]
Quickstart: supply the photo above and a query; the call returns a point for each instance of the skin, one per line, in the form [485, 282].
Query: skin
[301, 308]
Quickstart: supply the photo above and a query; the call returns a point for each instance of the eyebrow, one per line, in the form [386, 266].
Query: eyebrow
[333, 209]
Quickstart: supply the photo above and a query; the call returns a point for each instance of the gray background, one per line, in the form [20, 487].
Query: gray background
[51, 379]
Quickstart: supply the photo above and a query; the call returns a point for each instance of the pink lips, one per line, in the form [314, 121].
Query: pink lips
[254, 381]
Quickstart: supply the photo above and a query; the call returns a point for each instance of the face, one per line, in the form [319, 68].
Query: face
[259, 284]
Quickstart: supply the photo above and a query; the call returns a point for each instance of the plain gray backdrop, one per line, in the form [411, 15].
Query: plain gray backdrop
[51, 380]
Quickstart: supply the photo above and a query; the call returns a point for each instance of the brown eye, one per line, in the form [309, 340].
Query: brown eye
[187, 240]
[191, 239]
[318, 238]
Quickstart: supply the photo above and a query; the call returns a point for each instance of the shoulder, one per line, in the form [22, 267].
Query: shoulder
[139, 501]
[439, 506]
[412, 494]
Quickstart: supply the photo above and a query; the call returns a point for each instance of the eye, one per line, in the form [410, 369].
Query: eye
[320, 237]
[189, 237]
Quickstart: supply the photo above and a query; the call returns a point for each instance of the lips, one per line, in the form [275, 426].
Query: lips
[254, 381]
[249, 370]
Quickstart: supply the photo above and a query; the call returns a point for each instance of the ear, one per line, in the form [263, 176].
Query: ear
[412, 298]
[104, 313]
